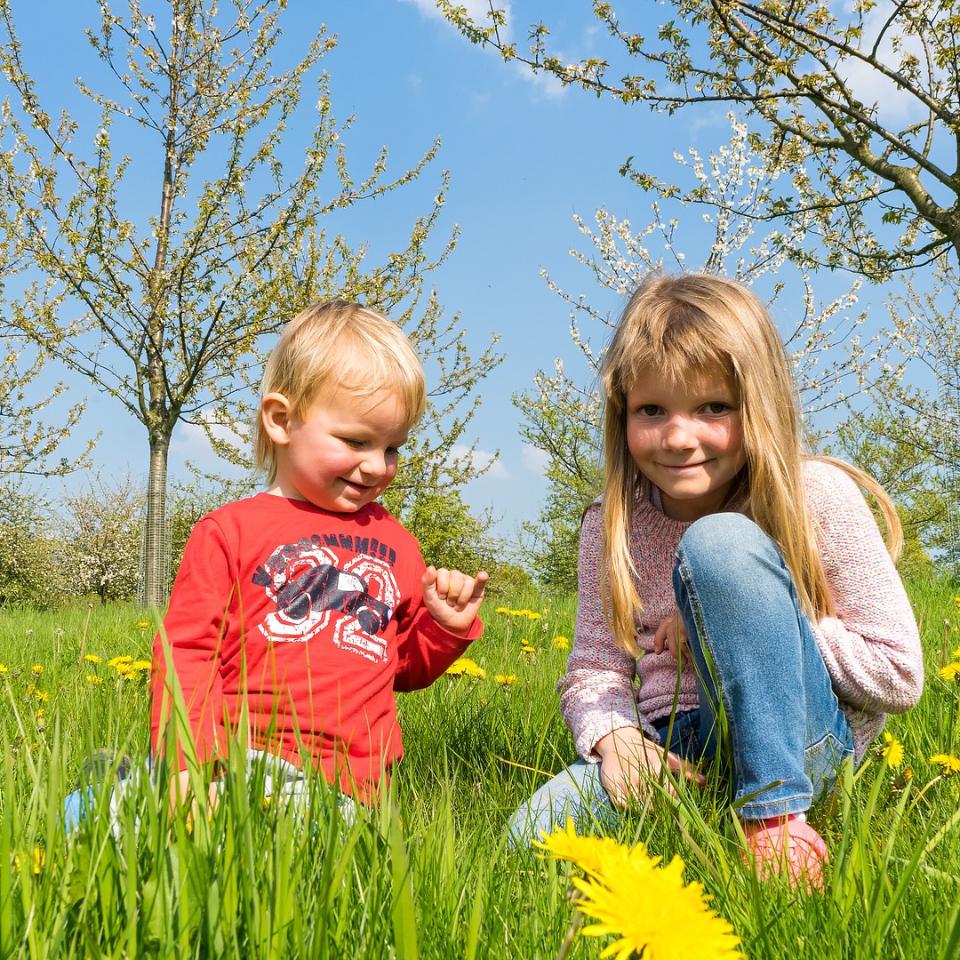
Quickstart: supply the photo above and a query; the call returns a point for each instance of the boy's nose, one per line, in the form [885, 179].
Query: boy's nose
[374, 465]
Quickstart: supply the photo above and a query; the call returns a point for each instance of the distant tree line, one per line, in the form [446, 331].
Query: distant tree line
[89, 544]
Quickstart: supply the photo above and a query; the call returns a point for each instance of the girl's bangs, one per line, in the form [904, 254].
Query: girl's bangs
[683, 352]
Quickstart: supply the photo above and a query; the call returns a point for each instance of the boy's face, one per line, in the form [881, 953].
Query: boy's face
[343, 453]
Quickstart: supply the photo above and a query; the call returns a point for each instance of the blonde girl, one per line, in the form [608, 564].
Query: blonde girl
[742, 582]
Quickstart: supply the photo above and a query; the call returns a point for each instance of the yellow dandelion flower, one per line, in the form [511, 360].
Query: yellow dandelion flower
[561, 642]
[40, 713]
[951, 671]
[592, 855]
[620, 877]
[949, 765]
[92, 658]
[39, 859]
[683, 925]
[956, 600]
[41, 695]
[892, 750]
[505, 610]
[465, 667]
[527, 648]
[93, 679]
[903, 777]
[532, 615]
[143, 624]
[37, 669]
[506, 679]
[4, 668]
[141, 665]
[115, 662]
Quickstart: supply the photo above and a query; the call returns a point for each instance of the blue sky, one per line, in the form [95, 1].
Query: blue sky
[524, 156]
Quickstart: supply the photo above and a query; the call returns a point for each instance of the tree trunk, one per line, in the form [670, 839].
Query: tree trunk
[155, 527]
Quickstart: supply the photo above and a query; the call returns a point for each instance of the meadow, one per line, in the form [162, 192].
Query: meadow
[427, 873]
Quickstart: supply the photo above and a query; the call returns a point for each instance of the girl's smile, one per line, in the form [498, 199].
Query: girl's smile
[687, 440]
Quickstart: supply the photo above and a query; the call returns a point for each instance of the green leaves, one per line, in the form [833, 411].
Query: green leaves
[172, 314]
[861, 95]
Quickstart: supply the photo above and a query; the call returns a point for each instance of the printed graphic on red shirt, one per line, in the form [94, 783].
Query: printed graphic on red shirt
[313, 589]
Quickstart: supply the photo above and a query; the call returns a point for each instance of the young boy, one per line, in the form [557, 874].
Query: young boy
[310, 601]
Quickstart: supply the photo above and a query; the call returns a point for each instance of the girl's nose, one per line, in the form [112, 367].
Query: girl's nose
[677, 434]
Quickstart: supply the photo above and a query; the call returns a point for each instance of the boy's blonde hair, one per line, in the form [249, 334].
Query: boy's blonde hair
[338, 345]
[694, 325]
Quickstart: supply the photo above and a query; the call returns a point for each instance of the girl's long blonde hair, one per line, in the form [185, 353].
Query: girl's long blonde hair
[696, 324]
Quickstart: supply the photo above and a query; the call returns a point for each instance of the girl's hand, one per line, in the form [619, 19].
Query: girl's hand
[672, 635]
[453, 598]
[628, 761]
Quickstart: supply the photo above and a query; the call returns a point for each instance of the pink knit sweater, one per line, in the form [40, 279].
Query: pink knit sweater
[871, 647]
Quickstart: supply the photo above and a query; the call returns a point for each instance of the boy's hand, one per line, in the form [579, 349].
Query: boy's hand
[453, 598]
[181, 791]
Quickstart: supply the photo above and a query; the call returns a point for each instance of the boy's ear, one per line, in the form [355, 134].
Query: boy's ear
[276, 417]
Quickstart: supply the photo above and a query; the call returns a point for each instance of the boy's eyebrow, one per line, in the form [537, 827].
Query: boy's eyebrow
[365, 430]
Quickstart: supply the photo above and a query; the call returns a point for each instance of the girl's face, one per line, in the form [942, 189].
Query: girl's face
[686, 439]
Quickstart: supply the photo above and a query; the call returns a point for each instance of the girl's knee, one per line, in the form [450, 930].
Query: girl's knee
[720, 533]
[575, 792]
[723, 541]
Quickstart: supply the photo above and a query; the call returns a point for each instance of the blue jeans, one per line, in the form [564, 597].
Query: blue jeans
[764, 690]
[281, 780]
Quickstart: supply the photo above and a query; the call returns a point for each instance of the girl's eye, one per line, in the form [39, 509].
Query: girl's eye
[717, 408]
[649, 410]
[352, 443]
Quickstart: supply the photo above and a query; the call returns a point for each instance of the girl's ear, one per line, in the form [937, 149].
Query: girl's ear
[277, 418]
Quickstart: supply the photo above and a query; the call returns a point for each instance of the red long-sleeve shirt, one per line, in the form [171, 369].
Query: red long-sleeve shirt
[316, 617]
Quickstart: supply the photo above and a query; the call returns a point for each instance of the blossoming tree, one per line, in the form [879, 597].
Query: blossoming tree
[856, 103]
[562, 413]
[167, 313]
[855, 106]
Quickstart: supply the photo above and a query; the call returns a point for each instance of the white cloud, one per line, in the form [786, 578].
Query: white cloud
[542, 81]
[479, 459]
[869, 85]
[478, 11]
[534, 459]
[190, 442]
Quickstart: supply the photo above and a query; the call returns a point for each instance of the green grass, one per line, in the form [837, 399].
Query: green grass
[427, 874]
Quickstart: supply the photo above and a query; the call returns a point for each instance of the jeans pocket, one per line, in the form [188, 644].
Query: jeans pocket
[822, 761]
